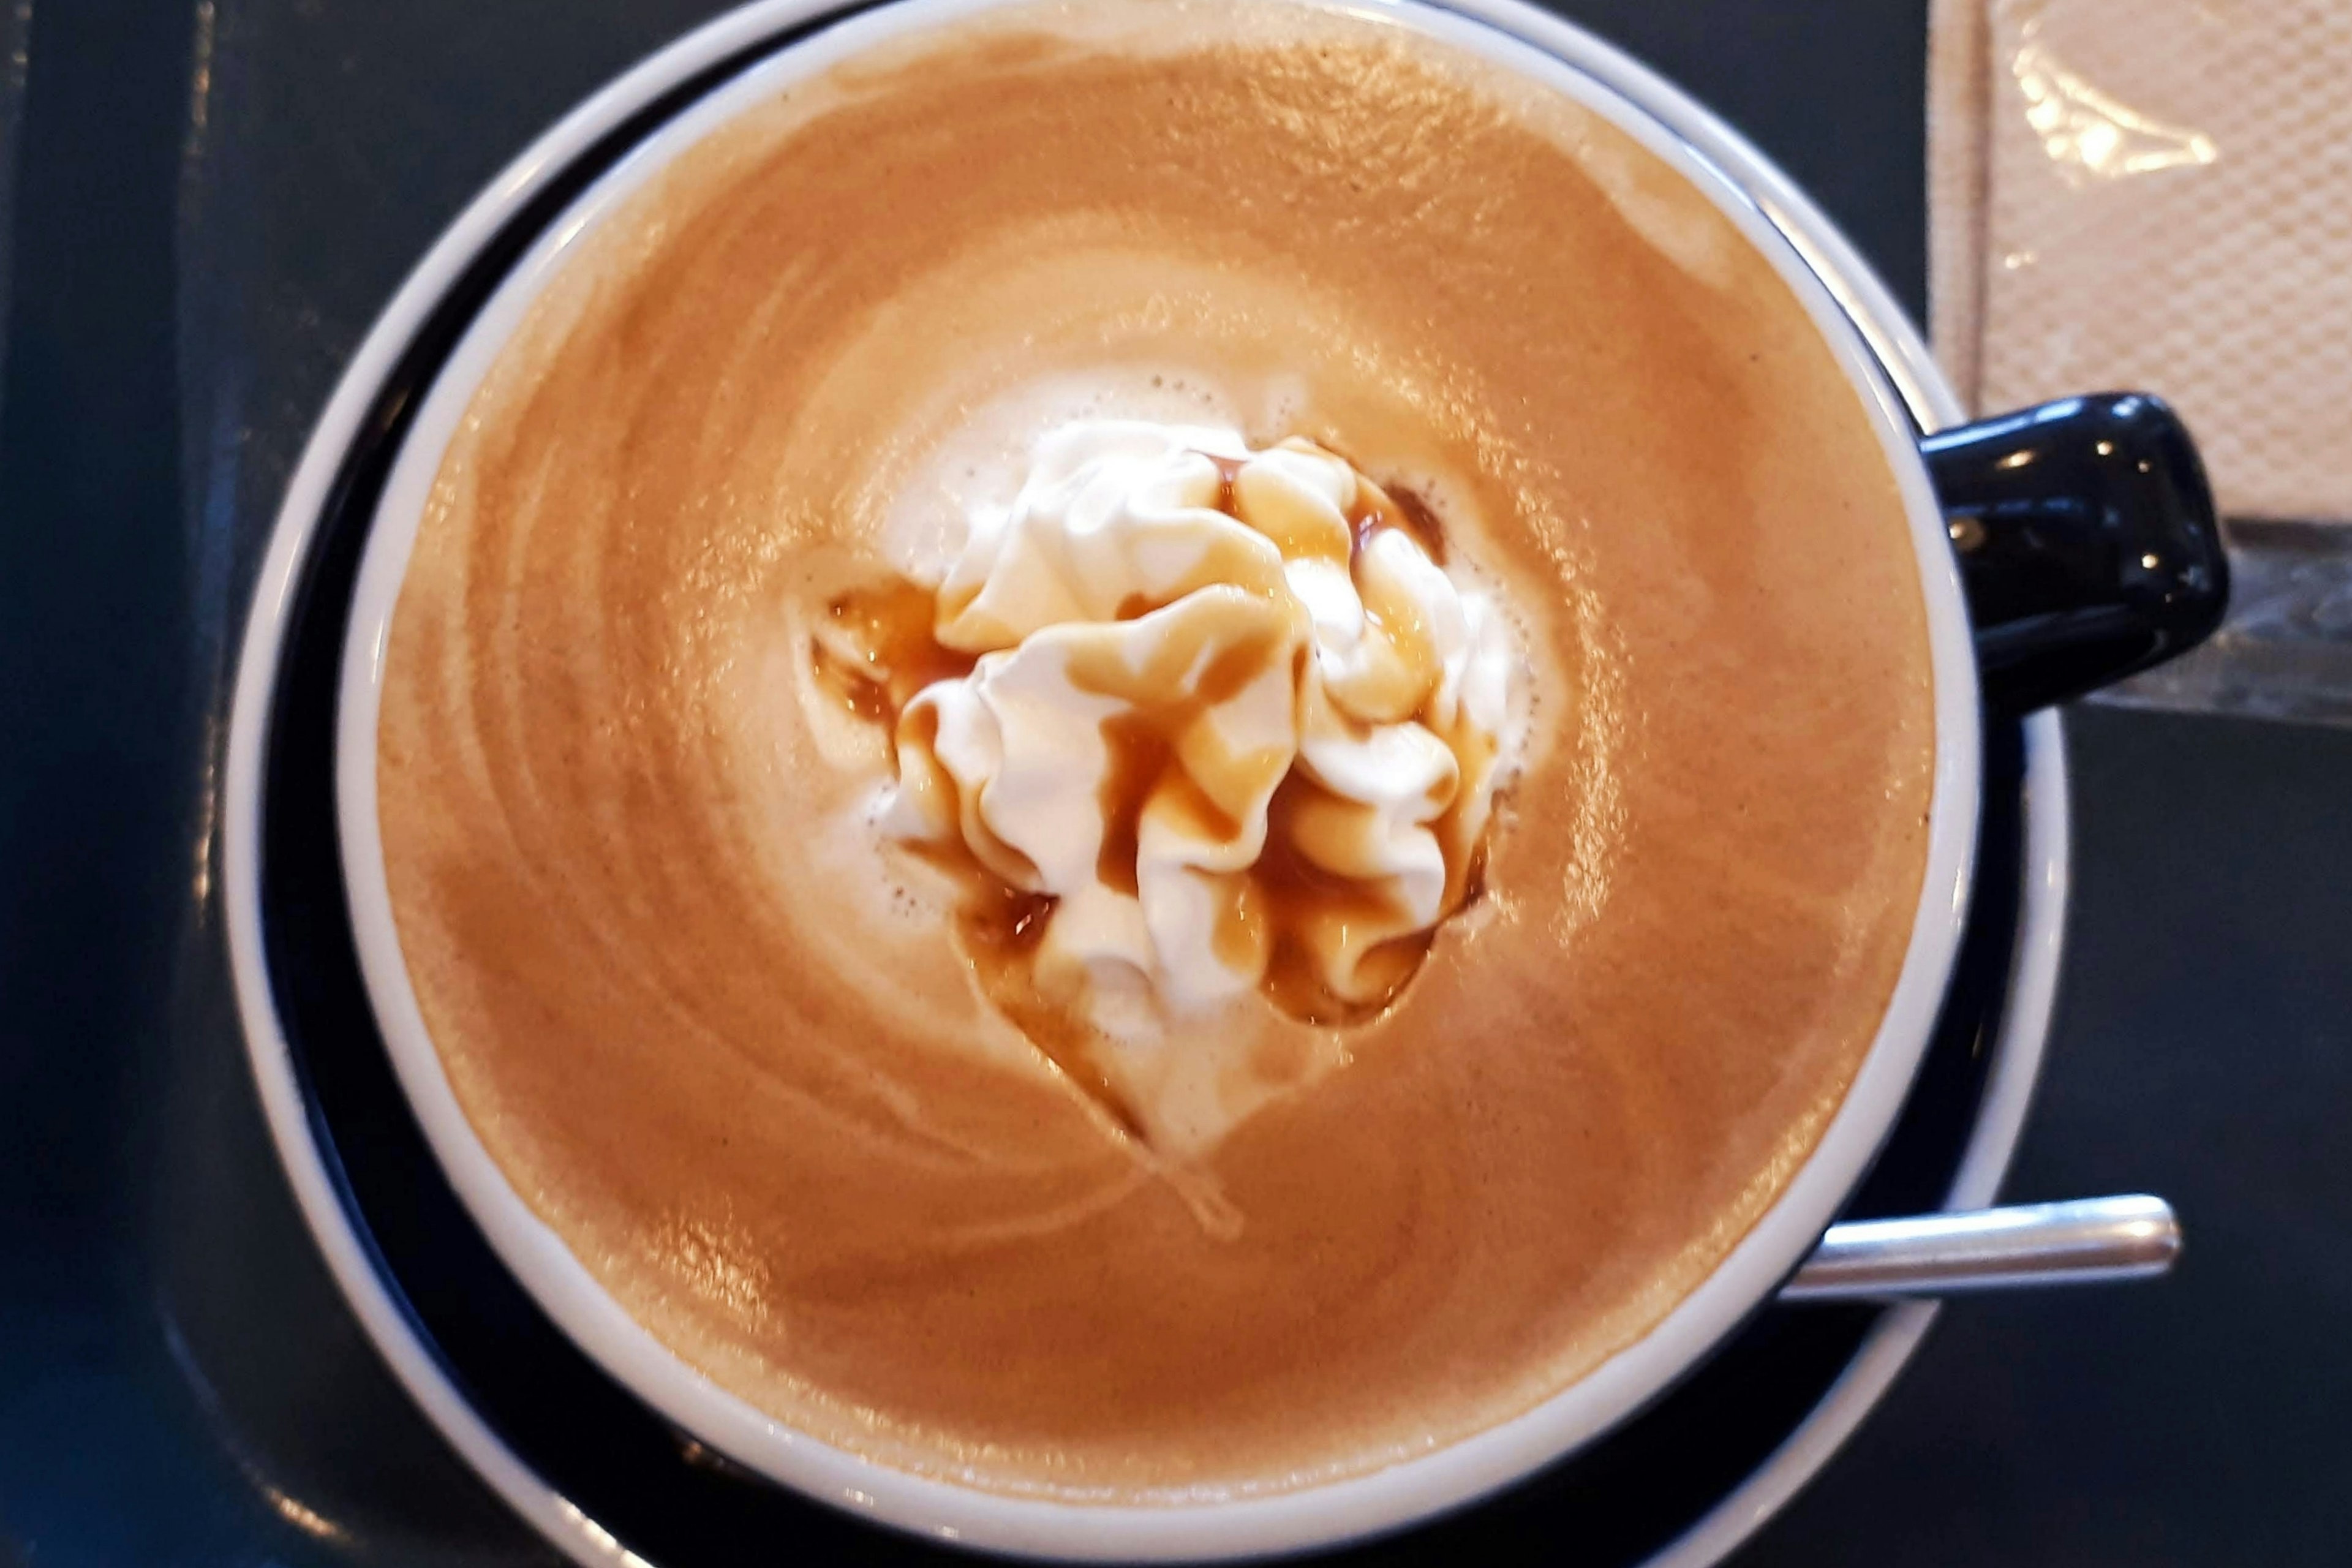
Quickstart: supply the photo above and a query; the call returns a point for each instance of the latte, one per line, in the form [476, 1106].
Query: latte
[1039, 1030]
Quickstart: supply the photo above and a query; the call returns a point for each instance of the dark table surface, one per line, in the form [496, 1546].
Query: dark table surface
[203, 202]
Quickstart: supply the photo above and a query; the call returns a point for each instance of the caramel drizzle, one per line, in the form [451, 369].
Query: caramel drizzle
[885, 649]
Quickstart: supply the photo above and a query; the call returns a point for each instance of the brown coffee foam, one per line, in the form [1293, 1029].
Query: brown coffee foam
[774, 1120]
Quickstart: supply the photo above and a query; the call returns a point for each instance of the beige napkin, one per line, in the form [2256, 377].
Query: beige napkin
[2154, 194]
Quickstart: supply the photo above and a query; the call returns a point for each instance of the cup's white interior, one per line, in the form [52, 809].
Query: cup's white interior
[569, 1293]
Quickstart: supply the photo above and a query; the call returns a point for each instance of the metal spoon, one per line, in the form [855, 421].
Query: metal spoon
[2088, 1241]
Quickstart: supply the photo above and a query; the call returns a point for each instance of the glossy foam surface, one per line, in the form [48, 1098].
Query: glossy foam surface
[786, 1157]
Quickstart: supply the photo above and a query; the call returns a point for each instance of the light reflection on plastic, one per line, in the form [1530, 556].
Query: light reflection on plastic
[2089, 135]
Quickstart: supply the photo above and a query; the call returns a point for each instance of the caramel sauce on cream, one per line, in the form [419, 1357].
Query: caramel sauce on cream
[1163, 755]
[742, 1067]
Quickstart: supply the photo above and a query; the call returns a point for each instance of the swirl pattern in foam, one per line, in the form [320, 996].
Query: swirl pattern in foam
[666, 959]
[1224, 712]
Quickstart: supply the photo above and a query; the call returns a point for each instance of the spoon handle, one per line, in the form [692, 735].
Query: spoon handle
[2087, 1241]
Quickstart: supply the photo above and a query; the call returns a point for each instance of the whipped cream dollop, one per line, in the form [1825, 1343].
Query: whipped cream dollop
[1224, 717]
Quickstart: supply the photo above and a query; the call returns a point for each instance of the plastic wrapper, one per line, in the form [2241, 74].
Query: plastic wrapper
[2157, 194]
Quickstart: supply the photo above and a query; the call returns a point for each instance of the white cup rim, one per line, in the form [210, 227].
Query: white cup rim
[1315, 1515]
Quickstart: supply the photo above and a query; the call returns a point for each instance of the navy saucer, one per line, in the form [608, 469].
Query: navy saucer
[675, 1503]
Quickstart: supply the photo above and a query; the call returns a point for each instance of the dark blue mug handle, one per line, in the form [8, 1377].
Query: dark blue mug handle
[2087, 543]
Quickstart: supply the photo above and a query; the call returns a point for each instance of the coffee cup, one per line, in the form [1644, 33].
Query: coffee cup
[2073, 582]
